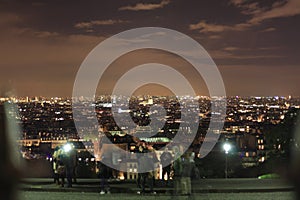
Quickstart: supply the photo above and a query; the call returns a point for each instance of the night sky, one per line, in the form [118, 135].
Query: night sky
[255, 44]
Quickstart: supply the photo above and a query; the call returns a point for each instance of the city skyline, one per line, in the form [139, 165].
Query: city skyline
[254, 44]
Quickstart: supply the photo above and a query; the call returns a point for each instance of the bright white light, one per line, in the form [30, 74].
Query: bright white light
[122, 177]
[67, 147]
[226, 147]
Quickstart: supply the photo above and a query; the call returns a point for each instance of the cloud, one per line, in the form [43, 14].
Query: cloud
[22, 32]
[45, 34]
[146, 6]
[269, 29]
[247, 8]
[269, 48]
[278, 10]
[258, 15]
[83, 25]
[237, 2]
[205, 27]
[12, 24]
[215, 37]
[231, 48]
[229, 54]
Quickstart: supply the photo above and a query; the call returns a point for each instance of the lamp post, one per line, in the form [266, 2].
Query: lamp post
[226, 148]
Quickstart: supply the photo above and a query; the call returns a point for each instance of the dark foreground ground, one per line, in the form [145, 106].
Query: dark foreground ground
[29, 195]
[88, 189]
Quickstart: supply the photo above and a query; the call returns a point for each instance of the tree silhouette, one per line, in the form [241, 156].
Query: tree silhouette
[281, 140]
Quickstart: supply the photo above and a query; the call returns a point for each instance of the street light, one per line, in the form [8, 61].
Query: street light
[67, 147]
[226, 148]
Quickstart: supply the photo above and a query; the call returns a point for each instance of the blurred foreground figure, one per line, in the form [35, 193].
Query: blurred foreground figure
[294, 170]
[9, 172]
[59, 167]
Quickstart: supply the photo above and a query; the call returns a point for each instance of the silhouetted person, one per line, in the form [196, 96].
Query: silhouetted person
[166, 161]
[177, 168]
[141, 145]
[195, 175]
[60, 166]
[75, 164]
[70, 162]
[55, 165]
[187, 168]
[104, 175]
[146, 167]
[139, 150]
